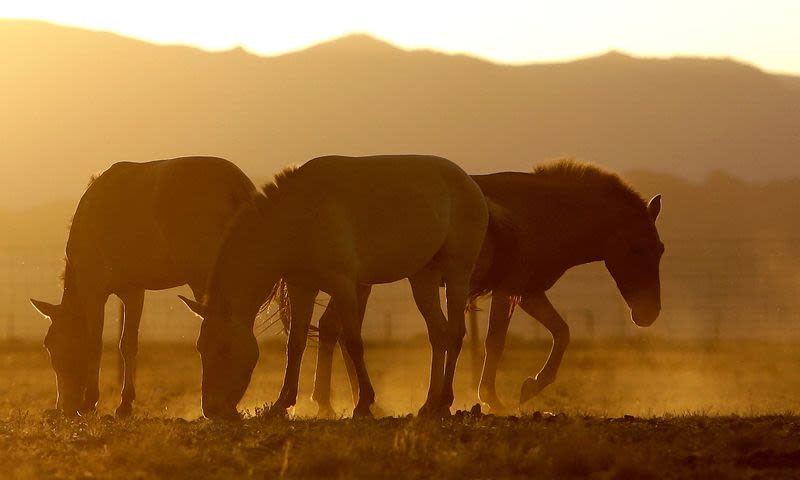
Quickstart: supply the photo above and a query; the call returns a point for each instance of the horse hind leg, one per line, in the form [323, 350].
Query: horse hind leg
[499, 318]
[540, 308]
[129, 347]
[329, 330]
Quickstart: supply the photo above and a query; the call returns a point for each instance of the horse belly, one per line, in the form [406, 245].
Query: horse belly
[391, 251]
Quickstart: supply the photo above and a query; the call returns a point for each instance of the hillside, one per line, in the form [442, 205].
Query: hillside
[75, 101]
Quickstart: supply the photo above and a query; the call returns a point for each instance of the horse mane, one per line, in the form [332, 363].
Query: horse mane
[93, 178]
[568, 171]
[260, 202]
[62, 276]
[272, 190]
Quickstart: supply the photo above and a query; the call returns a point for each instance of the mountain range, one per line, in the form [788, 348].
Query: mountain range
[74, 101]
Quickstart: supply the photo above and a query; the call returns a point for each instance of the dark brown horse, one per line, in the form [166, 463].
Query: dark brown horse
[139, 226]
[564, 214]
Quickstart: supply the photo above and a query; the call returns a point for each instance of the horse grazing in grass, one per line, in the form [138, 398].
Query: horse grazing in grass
[138, 226]
[563, 214]
[337, 224]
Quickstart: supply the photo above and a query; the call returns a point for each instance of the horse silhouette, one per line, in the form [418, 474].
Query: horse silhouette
[138, 226]
[338, 224]
[562, 214]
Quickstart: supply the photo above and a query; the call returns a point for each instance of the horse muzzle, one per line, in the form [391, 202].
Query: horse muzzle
[644, 317]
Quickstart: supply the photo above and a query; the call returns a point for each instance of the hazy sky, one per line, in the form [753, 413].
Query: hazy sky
[765, 33]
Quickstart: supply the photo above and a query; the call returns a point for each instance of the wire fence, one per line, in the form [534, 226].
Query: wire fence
[712, 288]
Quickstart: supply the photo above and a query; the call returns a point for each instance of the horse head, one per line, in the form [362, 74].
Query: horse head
[632, 256]
[66, 343]
[228, 353]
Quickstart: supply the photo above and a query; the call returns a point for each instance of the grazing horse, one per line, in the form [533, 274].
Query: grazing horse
[336, 224]
[563, 214]
[138, 226]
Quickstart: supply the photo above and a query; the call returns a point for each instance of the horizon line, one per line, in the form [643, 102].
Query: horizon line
[391, 44]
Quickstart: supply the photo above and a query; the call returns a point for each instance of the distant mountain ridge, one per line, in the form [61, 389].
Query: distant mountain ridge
[75, 101]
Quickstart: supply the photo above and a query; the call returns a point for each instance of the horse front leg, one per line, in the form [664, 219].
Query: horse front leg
[456, 293]
[129, 347]
[301, 301]
[499, 318]
[350, 306]
[425, 288]
[94, 309]
[540, 308]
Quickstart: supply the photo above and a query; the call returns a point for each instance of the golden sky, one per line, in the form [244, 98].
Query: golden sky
[765, 33]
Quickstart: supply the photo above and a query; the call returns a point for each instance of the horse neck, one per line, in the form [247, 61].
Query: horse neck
[247, 263]
[587, 223]
[70, 296]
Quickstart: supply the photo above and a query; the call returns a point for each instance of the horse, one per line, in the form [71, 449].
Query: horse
[337, 224]
[137, 227]
[563, 214]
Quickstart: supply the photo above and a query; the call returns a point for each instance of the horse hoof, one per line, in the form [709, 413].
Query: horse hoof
[326, 413]
[496, 407]
[530, 388]
[434, 412]
[362, 413]
[87, 411]
[277, 411]
[124, 411]
[377, 411]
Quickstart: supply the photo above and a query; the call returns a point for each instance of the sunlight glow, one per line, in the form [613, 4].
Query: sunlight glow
[763, 33]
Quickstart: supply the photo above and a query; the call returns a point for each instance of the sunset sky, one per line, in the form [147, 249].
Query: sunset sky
[764, 33]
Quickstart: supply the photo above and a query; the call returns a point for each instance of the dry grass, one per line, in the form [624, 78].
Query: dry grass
[694, 411]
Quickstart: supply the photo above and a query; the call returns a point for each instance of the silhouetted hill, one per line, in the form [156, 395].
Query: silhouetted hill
[791, 81]
[75, 101]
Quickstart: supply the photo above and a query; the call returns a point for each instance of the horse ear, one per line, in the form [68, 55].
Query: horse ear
[46, 309]
[654, 207]
[197, 308]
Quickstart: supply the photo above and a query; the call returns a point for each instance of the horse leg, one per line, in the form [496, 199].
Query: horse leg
[329, 329]
[301, 302]
[94, 309]
[425, 288]
[456, 293]
[540, 308]
[363, 296]
[499, 318]
[350, 307]
[129, 347]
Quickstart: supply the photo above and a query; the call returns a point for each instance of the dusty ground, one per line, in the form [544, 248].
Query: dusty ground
[693, 410]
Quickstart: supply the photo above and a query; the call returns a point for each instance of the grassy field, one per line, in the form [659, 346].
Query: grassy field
[630, 409]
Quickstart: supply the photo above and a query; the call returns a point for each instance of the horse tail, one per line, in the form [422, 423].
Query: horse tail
[498, 248]
[280, 296]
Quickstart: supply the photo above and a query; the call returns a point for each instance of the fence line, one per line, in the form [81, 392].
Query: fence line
[725, 291]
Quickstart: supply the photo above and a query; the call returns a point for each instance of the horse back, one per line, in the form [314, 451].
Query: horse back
[146, 224]
[525, 235]
[403, 208]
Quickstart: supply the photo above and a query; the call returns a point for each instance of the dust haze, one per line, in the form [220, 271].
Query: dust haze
[717, 139]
